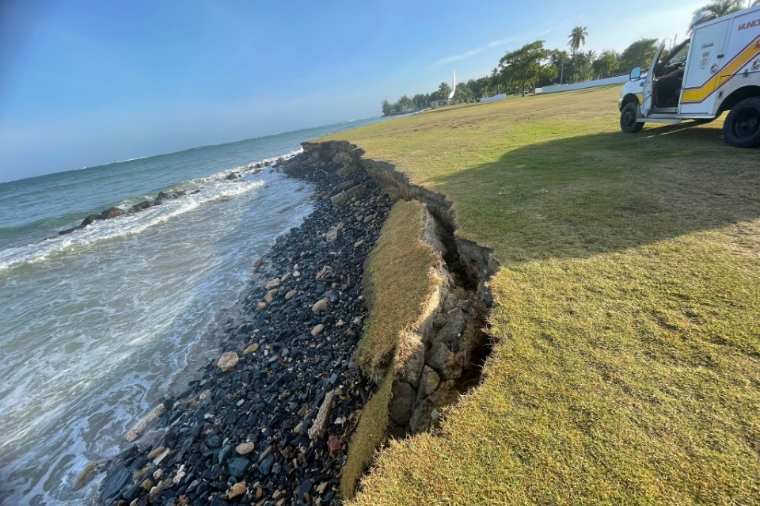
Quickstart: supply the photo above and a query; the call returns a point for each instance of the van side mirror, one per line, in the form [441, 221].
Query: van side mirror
[635, 74]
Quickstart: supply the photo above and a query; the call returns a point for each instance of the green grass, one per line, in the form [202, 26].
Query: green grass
[401, 278]
[627, 367]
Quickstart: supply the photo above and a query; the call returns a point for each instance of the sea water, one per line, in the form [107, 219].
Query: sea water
[96, 326]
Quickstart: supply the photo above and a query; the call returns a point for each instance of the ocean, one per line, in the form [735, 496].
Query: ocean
[99, 326]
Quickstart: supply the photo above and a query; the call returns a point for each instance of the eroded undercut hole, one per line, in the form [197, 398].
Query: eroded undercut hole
[455, 341]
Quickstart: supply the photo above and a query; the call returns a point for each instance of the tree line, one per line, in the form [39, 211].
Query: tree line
[533, 66]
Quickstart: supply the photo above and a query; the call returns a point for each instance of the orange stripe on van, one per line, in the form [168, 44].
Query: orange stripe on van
[700, 93]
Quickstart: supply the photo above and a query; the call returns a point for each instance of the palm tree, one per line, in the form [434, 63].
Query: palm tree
[723, 7]
[444, 90]
[577, 38]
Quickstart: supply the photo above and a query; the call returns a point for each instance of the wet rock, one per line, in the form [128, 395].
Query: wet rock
[238, 466]
[272, 284]
[113, 212]
[232, 176]
[291, 294]
[224, 454]
[251, 349]
[86, 474]
[91, 219]
[156, 452]
[317, 330]
[114, 482]
[261, 306]
[266, 465]
[227, 361]
[271, 294]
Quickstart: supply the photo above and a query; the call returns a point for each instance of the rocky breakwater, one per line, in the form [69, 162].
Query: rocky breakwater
[163, 197]
[271, 418]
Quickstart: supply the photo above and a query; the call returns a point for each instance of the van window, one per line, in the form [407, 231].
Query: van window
[673, 60]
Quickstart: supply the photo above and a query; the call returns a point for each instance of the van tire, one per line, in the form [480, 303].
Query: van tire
[742, 126]
[628, 115]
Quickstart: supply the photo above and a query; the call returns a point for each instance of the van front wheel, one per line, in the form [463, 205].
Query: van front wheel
[628, 123]
[742, 126]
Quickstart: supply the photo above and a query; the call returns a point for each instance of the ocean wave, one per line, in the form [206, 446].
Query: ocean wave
[215, 189]
[212, 188]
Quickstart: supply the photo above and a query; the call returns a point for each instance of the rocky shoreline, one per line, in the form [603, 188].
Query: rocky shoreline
[269, 422]
[162, 197]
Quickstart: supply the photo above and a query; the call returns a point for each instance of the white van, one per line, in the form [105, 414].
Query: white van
[716, 70]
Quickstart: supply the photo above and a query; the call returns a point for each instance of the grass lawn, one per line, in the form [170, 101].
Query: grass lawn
[627, 314]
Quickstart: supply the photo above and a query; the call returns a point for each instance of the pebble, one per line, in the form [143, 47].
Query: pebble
[317, 330]
[245, 448]
[321, 305]
[228, 361]
[236, 490]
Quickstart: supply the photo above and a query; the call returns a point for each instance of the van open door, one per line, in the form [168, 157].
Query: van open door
[648, 91]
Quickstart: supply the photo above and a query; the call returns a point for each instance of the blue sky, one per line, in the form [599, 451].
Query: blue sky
[89, 82]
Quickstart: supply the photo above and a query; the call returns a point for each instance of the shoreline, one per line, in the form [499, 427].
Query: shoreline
[292, 341]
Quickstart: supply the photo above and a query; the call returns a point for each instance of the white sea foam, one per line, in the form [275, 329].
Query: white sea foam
[93, 336]
[213, 188]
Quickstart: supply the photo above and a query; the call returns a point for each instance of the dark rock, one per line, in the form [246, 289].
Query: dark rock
[224, 454]
[238, 466]
[113, 212]
[114, 482]
[91, 219]
[266, 465]
[402, 396]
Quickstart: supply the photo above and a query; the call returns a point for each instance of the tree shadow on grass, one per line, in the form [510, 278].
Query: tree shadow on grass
[594, 194]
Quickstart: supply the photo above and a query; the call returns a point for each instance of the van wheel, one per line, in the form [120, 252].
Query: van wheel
[628, 122]
[742, 126]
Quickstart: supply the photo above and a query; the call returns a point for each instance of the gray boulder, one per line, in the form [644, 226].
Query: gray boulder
[113, 212]
[443, 361]
[91, 219]
[115, 481]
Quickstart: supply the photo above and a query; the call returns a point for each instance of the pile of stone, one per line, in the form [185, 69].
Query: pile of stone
[271, 419]
[115, 212]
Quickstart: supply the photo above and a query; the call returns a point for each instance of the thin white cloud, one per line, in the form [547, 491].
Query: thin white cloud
[490, 45]
[449, 59]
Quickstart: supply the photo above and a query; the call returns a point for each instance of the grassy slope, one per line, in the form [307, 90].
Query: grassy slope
[400, 256]
[627, 308]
